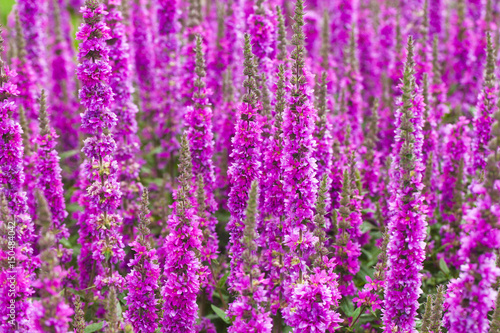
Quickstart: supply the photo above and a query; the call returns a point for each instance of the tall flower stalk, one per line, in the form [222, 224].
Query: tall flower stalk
[407, 222]
[182, 273]
[246, 161]
[249, 308]
[17, 266]
[142, 281]
[102, 245]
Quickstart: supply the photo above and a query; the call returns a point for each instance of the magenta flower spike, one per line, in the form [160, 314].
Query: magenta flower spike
[63, 106]
[182, 274]
[299, 169]
[247, 309]
[142, 281]
[486, 107]
[167, 68]
[406, 246]
[262, 29]
[49, 171]
[352, 84]
[343, 16]
[272, 204]
[472, 295]
[188, 53]
[435, 17]
[456, 145]
[246, 162]
[368, 52]
[125, 130]
[323, 137]
[347, 243]
[33, 17]
[16, 257]
[144, 57]
[25, 79]
[99, 223]
[50, 312]
[459, 67]
[198, 118]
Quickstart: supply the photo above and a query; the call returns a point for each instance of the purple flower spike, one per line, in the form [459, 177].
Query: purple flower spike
[142, 281]
[14, 210]
[182, 273]
[406, 246]
[246, 162]
[100, 194]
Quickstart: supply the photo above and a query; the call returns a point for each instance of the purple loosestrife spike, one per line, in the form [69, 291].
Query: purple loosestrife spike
[323, 137]
[51, 313]
[112, 318]
[99, 223]
[372, 157]
[299, 173]
[125, 130]
[437, 88]
[406, 246]
[32, 14]
[367, 52]
[63, 105]
[347, 247]
[427, 314]
[25, 79]
[198, 119]
[210, 242]
[435, 17]
[343, 16]
[168, 69]
[188, 52]
[78, 320]
[281, 39]
[437, 310]
[313, 301]
[486, 107]
[370, 296]
[182, 273]
[456, 143]
[351, 83]
[423, 48]
[472, 295]
[460, 67]
[262, 29]
[249, 308]
[144, 57]
[142, 281]
[11, 181]
[245, 166]
[272, 197]
[223, 147]
[326, 46]
[49, 171]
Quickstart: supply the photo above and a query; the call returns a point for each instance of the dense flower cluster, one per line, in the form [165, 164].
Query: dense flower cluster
[301, 168]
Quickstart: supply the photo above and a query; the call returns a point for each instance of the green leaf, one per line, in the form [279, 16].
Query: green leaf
[93, 327]
[119, 310]
[347, 307]
[356, 312]
[444, 267]
[220, 313]
[222, 281]
[287, 329]
[69, 153]
[76, 292]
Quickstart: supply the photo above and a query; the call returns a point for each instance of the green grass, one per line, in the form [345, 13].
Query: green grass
[5, 8]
